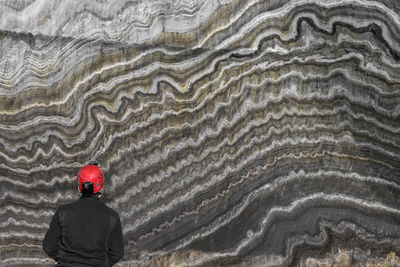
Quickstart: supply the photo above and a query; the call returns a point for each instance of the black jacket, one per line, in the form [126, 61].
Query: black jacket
[84, 233]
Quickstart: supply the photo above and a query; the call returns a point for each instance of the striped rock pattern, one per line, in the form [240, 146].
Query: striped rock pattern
[231, 132]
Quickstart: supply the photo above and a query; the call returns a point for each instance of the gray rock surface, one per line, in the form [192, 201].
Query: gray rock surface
[231, 133]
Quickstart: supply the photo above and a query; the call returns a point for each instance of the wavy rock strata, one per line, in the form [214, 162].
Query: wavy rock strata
[246, 133]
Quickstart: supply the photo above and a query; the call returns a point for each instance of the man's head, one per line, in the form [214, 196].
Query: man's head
[91, 174]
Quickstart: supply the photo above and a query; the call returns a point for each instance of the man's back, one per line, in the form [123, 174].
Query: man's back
[84, 233]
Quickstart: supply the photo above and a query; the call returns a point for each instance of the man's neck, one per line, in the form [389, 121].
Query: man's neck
[95, 196]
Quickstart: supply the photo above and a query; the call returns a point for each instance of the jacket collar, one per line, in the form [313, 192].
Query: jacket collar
[95, 197]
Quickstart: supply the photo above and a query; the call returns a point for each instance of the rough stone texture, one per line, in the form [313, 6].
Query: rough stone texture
[231, 133]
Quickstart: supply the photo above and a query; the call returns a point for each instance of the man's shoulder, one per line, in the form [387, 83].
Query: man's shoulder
[111, 211]
[98, 205]
[67, 206]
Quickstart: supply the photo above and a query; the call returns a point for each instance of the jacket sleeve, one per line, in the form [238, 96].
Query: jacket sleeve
[115, 243]
[52, 238]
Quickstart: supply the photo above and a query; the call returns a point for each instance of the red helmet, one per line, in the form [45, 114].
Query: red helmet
[91, 173]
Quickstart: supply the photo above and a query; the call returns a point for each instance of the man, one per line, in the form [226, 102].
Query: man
[85, 232]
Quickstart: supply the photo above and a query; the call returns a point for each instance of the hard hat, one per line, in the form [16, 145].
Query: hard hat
[91, 173]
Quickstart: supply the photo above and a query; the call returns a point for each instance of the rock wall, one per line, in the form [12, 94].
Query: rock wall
[231, 132]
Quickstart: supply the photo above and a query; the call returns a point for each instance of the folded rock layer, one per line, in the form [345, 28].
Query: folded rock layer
[231, 133]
